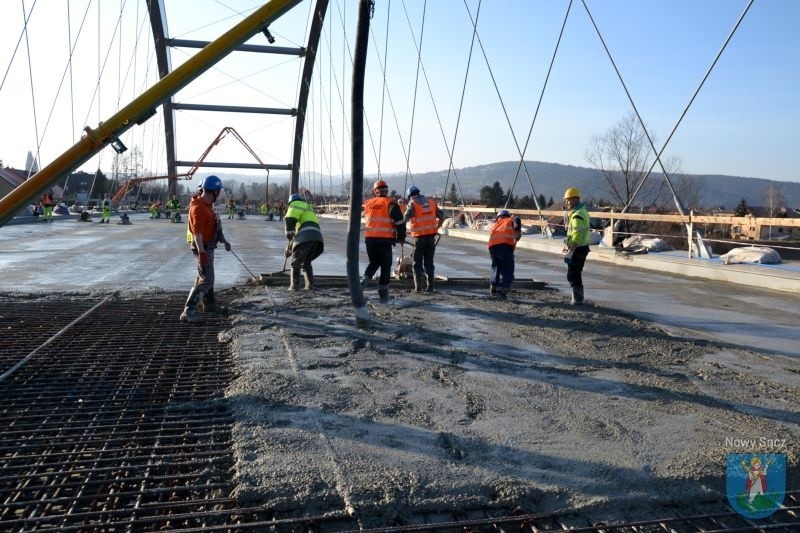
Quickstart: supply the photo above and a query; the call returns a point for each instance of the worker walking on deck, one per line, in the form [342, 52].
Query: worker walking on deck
[577, 242]
[105, 205]
[205, 228]
[305, 241]
[384, 228]
[503, 237]
[424, 218]
[174, 206]
[47, 205]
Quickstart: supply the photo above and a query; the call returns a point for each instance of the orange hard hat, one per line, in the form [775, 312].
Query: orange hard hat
[380, 184]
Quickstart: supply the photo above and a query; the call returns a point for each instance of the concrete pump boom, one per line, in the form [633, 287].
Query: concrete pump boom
[120, 194]
[140, 109]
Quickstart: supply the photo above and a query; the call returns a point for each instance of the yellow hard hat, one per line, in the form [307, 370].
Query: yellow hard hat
[572, 192]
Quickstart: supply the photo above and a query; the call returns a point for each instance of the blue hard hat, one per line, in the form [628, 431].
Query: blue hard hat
[211, 183]
[412, 191]
[503, 213]
[293, 197]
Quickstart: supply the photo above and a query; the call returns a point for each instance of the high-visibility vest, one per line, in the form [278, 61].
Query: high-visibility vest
[306, 224]
[502, 232]
[578, 228]
[424, 221]
[379, 223]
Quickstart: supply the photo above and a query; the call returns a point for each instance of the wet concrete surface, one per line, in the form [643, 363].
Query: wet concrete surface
[68, 255]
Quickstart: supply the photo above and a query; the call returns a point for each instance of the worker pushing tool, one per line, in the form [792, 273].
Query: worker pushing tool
[424, 218]
[305, 241]
[576, 245]
[384, 229]
[503, 237]
[205, 228]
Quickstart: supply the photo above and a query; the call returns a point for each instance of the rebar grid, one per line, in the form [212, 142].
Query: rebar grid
[119, 424]
[117, 421]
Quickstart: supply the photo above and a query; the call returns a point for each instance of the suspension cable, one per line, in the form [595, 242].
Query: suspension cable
[497, 90]
[691, 100]
[67, 70]
[392, 108]
[19, 41]
[383, 90]
[638, 115]
[450, 167]
[416, 83]
[421, 65]
[536, 114]
[33, 95]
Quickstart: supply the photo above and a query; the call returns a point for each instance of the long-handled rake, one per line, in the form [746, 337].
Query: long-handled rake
[245, 266]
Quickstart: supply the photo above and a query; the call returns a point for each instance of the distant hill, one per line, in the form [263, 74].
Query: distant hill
[551, 179]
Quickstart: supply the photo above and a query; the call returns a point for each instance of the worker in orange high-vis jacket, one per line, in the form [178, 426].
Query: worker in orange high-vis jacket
[424, 218]
[503, 237]
[206, 233]
[384, 228]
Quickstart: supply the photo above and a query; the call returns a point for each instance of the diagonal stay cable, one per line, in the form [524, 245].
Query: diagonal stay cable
[392, 108]
[536, 114]
[691, 100]
[635, 110]
[67, 70]
[101, 68]
[499, 96]
[383, 90]
[19, 41]
[416, 81]
[451, 168]
[33, 92]
[421, 66]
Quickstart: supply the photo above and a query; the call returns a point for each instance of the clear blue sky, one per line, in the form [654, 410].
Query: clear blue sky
[743, 122]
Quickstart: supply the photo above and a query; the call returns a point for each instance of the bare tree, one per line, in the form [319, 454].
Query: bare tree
[623, 155]
[690, 189]
[773, 201]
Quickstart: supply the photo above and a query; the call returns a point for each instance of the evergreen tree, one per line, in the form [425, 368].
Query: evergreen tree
[493, 196]
[453, 196]
[741, 210]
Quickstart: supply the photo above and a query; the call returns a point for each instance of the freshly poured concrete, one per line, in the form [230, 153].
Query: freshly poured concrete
[451, 401]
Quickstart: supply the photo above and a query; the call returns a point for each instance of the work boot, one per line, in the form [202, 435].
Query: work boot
[210, 304]
[577, 295]
[419, 279]
[383, 292]
[308, 276]
[502, 293]
[429, 278]
[189, 314]
[364, 282]
[294, 280]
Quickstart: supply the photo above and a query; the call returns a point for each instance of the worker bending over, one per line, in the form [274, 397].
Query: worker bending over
[305, 241]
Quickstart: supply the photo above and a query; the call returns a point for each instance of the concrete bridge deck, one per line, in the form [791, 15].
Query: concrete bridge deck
[755, 305]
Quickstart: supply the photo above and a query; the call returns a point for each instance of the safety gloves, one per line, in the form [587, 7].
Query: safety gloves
[567, 251]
